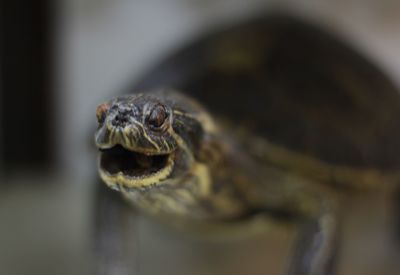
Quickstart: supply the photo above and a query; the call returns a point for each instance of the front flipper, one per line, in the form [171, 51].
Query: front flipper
[316, 248]
[114, 234]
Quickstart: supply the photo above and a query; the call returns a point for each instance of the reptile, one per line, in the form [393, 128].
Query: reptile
[270, 117]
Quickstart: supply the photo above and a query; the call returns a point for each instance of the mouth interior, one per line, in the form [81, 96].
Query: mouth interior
[132, 164]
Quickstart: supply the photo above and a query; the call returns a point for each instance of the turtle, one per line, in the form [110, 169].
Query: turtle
[273, 117]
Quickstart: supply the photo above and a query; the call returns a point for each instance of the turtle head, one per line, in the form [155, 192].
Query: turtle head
[148, 140]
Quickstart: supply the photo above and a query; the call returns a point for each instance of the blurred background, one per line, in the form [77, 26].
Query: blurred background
[59, 59]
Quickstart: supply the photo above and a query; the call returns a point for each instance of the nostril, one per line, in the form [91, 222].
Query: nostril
[122, 117]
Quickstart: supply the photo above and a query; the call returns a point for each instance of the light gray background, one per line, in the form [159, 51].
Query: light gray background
[103, 45]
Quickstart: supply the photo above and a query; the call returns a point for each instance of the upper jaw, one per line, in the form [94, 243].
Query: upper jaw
[106, 138]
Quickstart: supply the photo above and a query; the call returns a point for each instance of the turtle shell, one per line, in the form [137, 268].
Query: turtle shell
[293, 84]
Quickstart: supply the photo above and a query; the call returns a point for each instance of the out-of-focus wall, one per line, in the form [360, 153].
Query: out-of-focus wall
[104, 45]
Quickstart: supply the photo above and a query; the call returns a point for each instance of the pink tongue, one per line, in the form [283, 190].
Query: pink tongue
[144, 161]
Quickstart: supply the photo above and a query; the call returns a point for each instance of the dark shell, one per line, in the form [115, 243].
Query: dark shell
[294, 84]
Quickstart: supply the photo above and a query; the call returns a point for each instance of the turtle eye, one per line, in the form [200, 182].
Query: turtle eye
[157, 117]
[101, 112]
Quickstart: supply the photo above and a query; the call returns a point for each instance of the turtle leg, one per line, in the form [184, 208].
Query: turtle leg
[114, 230]
[316, 249]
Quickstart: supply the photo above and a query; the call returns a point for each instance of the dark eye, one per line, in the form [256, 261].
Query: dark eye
[157, 116]
[101, 112]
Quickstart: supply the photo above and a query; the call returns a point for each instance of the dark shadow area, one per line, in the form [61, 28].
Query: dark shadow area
[26, 84]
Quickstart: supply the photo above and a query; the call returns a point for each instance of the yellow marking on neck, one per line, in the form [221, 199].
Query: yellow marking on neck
[202, 173]
[199, 169]
[181, 143]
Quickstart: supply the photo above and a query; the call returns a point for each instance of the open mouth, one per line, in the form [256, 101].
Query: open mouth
[119, 163]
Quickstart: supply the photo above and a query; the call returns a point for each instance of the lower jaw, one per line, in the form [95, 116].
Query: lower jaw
[119, 181]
